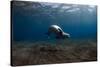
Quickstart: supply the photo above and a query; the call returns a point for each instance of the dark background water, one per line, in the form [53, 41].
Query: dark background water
[30, 20]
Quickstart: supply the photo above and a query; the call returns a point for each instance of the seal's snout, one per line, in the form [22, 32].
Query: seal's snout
[66, 35]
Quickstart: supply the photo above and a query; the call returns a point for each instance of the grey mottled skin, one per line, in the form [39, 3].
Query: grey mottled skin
[60, 34]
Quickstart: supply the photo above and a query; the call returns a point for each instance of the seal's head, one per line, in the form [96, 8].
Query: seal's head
[65, 35]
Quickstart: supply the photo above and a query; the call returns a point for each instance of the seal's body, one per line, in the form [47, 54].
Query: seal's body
[60, 34]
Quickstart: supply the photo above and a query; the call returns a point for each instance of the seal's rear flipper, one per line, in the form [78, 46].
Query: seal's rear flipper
[48, 33]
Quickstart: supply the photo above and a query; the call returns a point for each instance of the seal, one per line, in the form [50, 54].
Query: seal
[56, 30]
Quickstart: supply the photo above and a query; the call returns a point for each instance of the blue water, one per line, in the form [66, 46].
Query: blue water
[30, 20]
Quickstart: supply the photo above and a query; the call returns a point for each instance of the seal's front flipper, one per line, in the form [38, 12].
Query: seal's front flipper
[57, 37]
